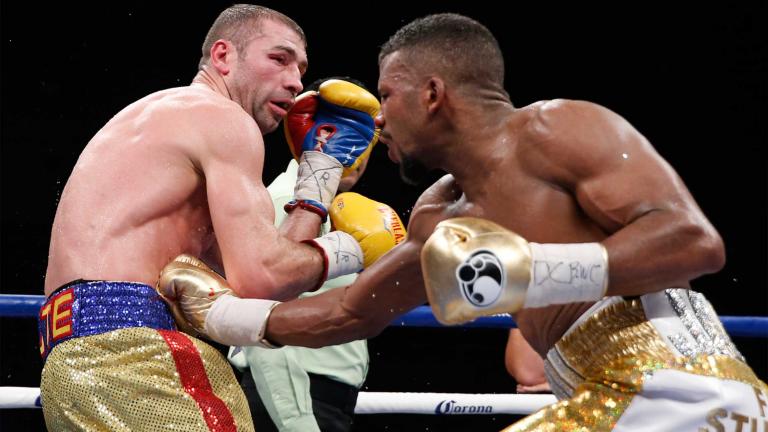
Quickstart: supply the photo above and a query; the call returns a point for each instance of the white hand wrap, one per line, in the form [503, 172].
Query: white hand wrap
[343, 254]
[318, 178]
[238, 321]
[566, 273]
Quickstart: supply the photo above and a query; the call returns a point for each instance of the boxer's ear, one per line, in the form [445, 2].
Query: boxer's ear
[223, 55]
[434, 94]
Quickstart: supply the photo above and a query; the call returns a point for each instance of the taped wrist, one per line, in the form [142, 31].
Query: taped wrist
[239, 322]
[317, 178]
[566, 273]
[342, 255]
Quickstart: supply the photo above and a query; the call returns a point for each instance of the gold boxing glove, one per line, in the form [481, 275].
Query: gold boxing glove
[190, 287]
[376, 226]
[473, 267]
[203, 304]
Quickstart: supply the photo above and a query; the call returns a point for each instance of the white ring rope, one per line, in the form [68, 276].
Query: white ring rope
[373, 402]
[19, 397]
[450, 403]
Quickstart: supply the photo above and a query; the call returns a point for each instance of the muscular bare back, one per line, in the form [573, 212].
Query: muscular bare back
[136, 197]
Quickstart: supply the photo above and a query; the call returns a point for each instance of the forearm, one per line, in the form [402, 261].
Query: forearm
[276, 268]
[386, 290]
[314, 322]
[662, 249]
[300, 225]
[522, 362]
[297, 225]
[283, 270]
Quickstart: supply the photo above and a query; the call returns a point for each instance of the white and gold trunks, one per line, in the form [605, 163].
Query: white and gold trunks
[660, 362]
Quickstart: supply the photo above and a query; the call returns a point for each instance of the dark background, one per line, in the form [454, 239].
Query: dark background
[693, 80]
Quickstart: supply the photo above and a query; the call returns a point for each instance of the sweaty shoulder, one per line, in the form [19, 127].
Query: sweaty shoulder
[564, 118]
[214, 113]
[432, 207]
[565, 135]
[441, 193]
[206, 123]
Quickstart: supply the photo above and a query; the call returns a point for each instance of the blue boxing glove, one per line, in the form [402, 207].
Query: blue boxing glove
[330, 132]
[336, 120]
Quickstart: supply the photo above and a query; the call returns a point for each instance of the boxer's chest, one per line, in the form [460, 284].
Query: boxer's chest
[537, 212]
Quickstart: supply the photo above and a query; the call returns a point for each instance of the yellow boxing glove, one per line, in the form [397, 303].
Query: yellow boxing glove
[376, 226]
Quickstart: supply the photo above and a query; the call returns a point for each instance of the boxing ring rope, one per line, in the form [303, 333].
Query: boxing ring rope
[14, 305]
[27, 306]
[373, 402]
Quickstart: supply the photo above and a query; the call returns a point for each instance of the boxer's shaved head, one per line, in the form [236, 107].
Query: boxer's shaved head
[240, 23]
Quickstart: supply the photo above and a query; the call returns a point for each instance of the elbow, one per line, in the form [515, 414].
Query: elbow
[512, 367]
[526, 374]
[260, 286]
[708, 248]
[713, 253]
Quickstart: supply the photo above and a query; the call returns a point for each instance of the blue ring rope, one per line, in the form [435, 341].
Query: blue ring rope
[14, 305]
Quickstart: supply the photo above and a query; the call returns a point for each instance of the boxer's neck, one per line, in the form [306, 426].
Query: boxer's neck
[212, 81]
[479, 149]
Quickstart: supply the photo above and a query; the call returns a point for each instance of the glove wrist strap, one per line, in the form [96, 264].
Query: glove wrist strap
[309, 205]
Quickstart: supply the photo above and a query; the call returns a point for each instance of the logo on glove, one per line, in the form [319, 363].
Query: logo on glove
[323, 134]
[482, 278]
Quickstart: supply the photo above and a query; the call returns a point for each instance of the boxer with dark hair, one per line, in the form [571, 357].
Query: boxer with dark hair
[179, 171]
[559, 212]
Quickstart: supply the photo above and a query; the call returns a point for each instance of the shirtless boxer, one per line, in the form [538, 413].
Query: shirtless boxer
[628, 346]
[177, 172]
[298, 389]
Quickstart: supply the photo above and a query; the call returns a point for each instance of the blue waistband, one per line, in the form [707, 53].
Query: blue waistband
[86, 308]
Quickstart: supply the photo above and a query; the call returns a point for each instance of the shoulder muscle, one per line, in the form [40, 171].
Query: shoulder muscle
[573, 140]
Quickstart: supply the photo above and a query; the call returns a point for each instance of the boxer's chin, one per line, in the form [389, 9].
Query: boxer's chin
[412, 171]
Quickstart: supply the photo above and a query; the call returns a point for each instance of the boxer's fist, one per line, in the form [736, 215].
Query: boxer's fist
[336, 120]
[190, 287]
[203, 304]
[473, 267]
[376, 226]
